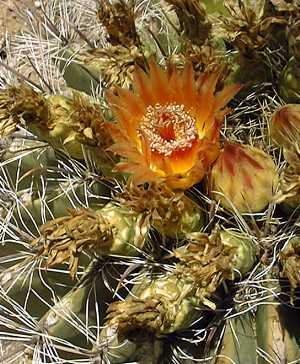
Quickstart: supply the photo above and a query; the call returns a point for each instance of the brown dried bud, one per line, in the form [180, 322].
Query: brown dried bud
[193, 20]
[118, 19]
[20, 103]
[114, 65]
[243, 178]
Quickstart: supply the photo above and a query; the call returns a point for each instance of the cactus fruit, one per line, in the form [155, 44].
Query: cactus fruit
[149, 210]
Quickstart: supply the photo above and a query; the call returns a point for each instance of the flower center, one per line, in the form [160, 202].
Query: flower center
[168, 128]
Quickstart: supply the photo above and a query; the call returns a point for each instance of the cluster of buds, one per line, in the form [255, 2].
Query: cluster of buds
[173, 301]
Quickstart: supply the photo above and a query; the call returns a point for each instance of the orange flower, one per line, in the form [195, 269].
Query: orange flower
[168, 126]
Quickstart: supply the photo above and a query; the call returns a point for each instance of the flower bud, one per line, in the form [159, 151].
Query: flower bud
[285, 131]
[243, 178]
[129, 229]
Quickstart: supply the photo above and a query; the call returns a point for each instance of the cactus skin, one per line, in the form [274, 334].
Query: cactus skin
[239, 333]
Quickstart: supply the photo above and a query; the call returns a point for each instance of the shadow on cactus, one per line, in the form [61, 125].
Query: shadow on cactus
[149, 209]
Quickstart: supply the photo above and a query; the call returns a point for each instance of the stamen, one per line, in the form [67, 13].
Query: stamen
[168, 128]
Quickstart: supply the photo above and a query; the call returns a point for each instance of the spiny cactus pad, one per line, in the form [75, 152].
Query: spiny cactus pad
[150, 183]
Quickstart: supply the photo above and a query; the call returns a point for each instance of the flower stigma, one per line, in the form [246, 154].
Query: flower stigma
[168, 128]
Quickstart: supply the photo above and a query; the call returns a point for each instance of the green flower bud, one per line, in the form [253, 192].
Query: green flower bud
[129, 229]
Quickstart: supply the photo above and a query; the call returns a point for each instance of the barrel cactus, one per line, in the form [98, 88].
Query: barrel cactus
[150, 183]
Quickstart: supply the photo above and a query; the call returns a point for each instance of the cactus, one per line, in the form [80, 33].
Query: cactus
[149, 183]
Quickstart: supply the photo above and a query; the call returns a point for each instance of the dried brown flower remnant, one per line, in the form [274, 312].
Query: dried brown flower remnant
[110, 230]
[250, 25]
[193, 20]
[118, 19]
[289, 187]
[290, 6]
[74, 123]
[71, 125]
[285, 131]
[205, 263]
[165, 305]
[17, 103]
[115, 65]
[88, 123]
[205, 57]
[171, 213]
[173, 301]
[64, 239]
[290, 260]
[136, 317]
